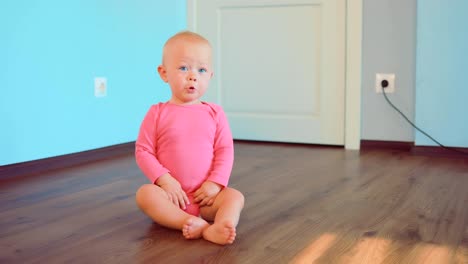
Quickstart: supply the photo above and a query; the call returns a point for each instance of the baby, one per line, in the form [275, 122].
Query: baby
[185, 148]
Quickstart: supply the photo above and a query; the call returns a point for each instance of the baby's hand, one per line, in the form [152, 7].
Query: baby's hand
[207, 192]
[173, 190]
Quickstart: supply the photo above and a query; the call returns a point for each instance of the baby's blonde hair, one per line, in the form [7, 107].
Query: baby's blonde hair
[184, 35]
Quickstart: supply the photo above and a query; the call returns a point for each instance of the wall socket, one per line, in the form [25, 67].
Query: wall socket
[390, 77]
[100, 86]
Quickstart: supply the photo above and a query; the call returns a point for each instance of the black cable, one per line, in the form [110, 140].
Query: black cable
[384, 84]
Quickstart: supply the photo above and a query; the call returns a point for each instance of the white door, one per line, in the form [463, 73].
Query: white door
[279, 67]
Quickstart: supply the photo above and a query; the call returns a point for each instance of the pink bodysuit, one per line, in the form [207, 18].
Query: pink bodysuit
[193, 143]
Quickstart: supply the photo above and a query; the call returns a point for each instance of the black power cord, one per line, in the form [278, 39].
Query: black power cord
[384, 85]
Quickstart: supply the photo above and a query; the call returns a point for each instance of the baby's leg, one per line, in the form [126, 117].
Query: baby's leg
[154, 202]
[225, 213]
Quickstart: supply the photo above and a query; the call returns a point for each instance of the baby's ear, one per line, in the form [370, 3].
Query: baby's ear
[162, 72]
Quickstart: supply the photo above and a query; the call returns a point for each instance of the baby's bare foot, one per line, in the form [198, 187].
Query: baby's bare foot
[194, 227]
[220, 233]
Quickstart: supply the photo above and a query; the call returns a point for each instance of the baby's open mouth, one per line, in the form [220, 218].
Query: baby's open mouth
[191, 88]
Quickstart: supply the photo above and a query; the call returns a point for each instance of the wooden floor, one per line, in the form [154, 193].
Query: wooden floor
[304, 204]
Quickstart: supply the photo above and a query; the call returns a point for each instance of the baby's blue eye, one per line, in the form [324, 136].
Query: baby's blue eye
[183, 68]
[202, 70]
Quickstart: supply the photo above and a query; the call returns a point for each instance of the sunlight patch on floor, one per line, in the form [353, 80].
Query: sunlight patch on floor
[373, 250]
[315, 250]
[430, 253]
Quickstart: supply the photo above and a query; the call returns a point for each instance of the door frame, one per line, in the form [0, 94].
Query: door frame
[353, 66]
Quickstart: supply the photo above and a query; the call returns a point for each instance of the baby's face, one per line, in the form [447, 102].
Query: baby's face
[187, 68]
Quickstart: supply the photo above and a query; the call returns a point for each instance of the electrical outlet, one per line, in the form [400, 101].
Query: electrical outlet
[100, 86]
[389, 77]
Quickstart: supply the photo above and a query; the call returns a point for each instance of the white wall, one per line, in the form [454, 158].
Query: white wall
[389, 46]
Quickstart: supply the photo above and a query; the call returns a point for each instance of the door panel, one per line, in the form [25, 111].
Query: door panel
[279, 67]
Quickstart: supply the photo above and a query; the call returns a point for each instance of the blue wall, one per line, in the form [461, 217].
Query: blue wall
[50, 52]
[441, 72]
[388, 46]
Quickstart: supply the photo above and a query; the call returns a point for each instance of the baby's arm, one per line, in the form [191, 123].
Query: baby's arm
[145, 154]
[223, 148]
[146, 146]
